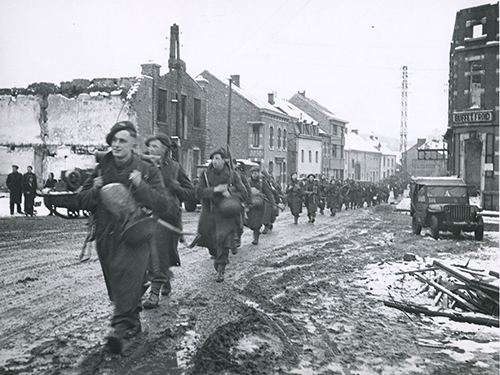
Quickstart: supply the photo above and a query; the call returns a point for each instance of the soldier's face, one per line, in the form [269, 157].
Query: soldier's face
[255, 175]
[217, 161]
[122, 145]
[14, 169]
[156, 148]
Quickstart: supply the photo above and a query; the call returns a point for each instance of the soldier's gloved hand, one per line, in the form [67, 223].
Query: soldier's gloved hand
[98, 182]
[135, 177]
[220, 188]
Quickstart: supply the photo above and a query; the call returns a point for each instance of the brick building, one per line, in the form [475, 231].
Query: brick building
[472, 133]
[304, 141]
[333, 140]
[177, 109]
[259, 131]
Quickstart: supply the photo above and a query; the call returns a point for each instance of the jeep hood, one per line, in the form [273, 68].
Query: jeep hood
[436, 207]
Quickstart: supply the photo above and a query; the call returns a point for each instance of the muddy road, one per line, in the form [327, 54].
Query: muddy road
[306, 300]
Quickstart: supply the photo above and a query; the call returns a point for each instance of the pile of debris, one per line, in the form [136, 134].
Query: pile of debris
[458, 292]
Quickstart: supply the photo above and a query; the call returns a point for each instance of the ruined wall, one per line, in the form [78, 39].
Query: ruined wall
[19, 120]
[66, 160]
[85, 119]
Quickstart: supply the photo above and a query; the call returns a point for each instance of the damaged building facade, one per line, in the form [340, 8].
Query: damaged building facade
[58, 128]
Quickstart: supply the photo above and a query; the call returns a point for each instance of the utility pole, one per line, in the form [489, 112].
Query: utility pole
[404, 118]
[229, 113]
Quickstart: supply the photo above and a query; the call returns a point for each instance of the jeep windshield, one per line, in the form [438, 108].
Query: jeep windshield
[447, 191]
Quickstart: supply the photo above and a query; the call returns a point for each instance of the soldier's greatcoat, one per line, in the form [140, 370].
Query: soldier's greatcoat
[294, 193]
[217, 232]
[256, 214]
[124, 266]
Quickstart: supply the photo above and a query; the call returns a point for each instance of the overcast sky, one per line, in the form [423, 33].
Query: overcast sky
[345, 54]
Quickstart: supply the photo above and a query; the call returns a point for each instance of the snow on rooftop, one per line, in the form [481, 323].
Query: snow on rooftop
[262, 104]
[354, 142]
[433, 144]
[295, 112]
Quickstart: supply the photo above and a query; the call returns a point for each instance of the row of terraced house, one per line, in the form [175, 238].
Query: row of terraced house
[59, 127]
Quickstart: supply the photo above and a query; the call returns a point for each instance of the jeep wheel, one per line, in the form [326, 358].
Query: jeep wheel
[479, 232]
[434, 227]
[416, 226]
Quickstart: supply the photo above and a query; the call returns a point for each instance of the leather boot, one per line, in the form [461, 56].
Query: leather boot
[295, 219]
[152, 301]
[256, 235]
[220, 273]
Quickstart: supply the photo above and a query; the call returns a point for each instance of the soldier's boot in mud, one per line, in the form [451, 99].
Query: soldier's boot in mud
[166, 289]
[152, 301]
[332, 212]
[295, 219]
[256, 235]
[234, 250]
[220, 273]
[114, 342]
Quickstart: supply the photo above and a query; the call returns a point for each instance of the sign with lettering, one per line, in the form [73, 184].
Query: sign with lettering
[472, 116]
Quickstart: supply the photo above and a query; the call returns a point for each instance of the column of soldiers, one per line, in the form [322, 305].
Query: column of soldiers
[135, 200]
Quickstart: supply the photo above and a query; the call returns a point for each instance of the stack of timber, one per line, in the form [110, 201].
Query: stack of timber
[458, 292]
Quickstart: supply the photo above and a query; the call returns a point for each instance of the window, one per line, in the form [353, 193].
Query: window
[334, 151]
[490, 153]
[341, 151]
[353, 163]
[184, 116]
[271, 168]
[317, 157]
[284, 139]
[302, 156]
[256, 136]
[475, 84]
[334, 129]
[477, 30]
[279, 138]
[310, 156]
[162, 106]
[384, 164]
[271, 137]
[197, 113]
[196, 157]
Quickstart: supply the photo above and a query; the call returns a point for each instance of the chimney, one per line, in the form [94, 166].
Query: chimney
[355, 131]
[270, 98]
[174, 59]
[236, 79]
[151, 69]
[420, 142]
[302, 93]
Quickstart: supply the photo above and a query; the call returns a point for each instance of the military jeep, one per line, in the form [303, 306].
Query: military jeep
[442, 204]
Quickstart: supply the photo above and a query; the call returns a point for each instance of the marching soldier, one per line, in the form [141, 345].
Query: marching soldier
[311, 197]
[121, 192]
[260, 198]
[322, 188]
[271, 208]
[165, 251]
[222, 193]
[294, 193]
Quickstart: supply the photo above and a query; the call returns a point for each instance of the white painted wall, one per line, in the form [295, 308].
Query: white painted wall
[306, 167]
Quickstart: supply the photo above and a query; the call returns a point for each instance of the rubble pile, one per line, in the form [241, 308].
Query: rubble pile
[455, 291]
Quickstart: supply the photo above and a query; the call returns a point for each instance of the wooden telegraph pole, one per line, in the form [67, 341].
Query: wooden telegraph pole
[229, 113]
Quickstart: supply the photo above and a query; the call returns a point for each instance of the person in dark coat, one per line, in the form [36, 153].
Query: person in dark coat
[261, 196]
[15, 186]
[322, 188]
[311, 198]
[50, 184]
[29, 191]
[332, 197]
[124, 263]
[272, 209]
[239, 168]
[294, 193]
[165, 252]
[221, 193]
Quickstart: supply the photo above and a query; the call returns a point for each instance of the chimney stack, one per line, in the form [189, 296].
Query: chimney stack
[303, 93]
[355, 131]
[236, 79]
[270, 98]
[151, 70]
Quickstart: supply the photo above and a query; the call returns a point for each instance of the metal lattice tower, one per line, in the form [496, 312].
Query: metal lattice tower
[404, 117]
